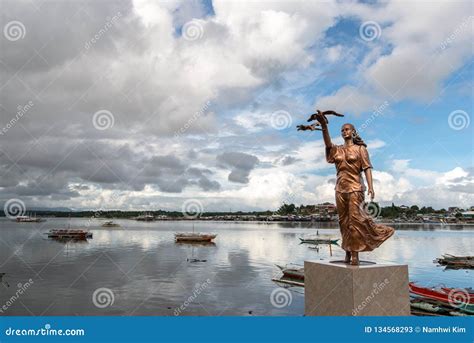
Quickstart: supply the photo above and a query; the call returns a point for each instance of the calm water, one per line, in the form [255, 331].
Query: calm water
[148, 274]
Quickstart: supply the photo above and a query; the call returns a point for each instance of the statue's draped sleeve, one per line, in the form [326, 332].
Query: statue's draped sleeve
[364, 157]
[330, 153]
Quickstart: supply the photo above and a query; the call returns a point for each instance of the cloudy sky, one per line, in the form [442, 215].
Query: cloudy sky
[148, 104]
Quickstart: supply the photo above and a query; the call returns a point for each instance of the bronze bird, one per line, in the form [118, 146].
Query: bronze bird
[312, 127]
[325, 113]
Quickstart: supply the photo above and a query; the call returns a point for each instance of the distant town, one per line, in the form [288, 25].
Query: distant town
[325, 212]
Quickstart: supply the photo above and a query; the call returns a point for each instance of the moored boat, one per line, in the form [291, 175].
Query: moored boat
[69, 234]
[194, 237]
[29, 219]
[293, 273]
[319, 241]
[456, 262]
[145, 217]
[110, 223]
[457, 298]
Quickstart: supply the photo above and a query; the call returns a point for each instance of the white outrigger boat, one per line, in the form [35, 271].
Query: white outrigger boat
[194, 237]
[29, 219]
[110, 223]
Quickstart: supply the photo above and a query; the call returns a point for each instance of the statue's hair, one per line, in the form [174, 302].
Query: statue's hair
[355, 136]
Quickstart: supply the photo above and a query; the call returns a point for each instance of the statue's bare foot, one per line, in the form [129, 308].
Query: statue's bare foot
[348, 257]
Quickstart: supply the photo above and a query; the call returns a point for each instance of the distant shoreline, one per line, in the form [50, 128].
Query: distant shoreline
[252, 221]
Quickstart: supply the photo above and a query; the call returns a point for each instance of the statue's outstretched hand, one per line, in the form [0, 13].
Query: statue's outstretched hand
[319, 116]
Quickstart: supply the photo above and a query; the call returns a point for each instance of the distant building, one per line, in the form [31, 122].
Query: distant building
[326, 208]
[468, 215]
[453, 209]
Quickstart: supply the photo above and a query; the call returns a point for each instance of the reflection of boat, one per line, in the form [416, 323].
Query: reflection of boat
[29, 219]
[293, 273]
[456, 298]
[194, 237]
[456, 262]
[110, 223]
[69, 234]
[319, 241]
[197, 243]
[145, 217]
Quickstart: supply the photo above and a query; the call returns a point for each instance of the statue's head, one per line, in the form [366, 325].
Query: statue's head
[349, 132]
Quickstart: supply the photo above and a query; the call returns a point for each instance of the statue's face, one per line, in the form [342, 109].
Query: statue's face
[346, 131]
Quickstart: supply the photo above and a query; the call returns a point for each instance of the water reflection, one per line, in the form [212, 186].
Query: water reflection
[150, 274]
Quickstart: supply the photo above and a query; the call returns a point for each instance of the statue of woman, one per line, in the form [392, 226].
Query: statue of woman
[358, 230]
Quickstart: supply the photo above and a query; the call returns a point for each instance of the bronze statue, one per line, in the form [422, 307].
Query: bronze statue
[358, 230]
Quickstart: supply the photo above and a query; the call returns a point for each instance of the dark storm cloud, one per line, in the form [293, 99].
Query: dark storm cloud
[241, 165]
[288, 160]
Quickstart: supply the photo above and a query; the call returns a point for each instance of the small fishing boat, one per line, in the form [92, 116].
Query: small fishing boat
[293, 273]
[69, 234]
[145, 217]
[29, 219]
[461, 299]
[425, 306]
[319, 241]
[194, 237]
[110, 223]
[456, 262]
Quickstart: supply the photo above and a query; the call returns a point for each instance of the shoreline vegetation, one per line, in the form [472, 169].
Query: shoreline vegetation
[325, 212]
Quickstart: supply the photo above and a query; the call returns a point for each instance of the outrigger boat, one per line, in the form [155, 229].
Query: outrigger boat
[69, 234]
[461, 299]
[29, 219]
[456, 262]
[194, 237]
[319, 241]
[110, 223]
[293, 273]
[145, 217]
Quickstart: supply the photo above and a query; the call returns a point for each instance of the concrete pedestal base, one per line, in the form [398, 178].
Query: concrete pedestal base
[337, 289]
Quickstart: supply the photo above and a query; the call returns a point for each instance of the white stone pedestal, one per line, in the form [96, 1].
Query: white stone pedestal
[338, 289]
